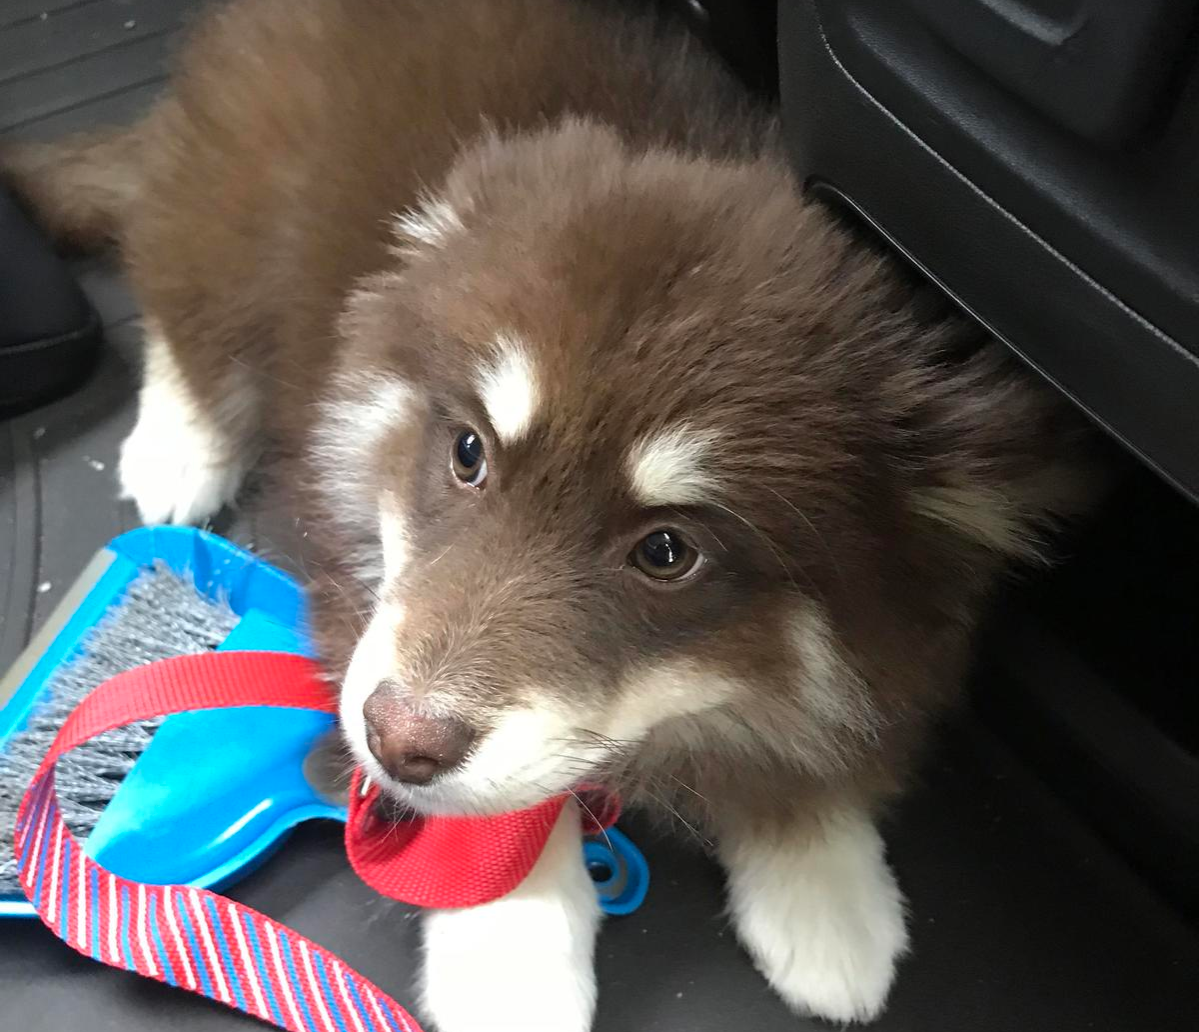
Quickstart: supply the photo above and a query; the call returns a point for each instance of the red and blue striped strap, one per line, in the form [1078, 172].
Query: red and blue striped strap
[209, 944]
[190, 937]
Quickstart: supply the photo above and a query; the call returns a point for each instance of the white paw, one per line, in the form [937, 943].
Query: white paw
[524, 962]
[823, 919]
[176, 472]
[841, 974]
[182, 462]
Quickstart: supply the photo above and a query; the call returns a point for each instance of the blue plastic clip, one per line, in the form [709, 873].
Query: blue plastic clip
[619, 871]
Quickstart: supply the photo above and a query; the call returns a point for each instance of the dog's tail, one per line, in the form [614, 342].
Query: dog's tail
[80, 189]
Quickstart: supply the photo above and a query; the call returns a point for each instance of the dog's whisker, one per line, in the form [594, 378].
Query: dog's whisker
[662, 801]
[836, 563]
[764, 538]
[683, 785]
[594, 820]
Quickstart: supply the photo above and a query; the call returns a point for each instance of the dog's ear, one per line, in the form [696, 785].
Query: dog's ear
[1008, 461]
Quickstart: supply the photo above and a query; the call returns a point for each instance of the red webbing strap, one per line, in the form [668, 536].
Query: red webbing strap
[210, 680]
[212, 945]
[445, 862]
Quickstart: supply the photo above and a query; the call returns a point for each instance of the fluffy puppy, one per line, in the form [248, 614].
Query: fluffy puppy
[622, 462]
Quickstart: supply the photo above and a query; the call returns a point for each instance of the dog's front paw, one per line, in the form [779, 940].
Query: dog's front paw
[525, 962]
[176, 472]
[822, 917]
[182, 462]
[840, 969]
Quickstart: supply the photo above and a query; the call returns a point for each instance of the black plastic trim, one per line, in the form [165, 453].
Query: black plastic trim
[1133, 377]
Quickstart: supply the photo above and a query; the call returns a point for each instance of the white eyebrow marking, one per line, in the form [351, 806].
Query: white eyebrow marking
[369, 406]
[509, 389]
[666, 468]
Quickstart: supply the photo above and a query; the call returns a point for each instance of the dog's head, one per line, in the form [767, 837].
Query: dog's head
[612, 479]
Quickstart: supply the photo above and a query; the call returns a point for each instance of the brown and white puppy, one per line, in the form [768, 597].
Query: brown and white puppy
[622, 461]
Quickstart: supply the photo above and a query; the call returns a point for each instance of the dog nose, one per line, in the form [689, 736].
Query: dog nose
[411, 747]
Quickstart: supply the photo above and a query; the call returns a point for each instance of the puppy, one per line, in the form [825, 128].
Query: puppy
[621, 461]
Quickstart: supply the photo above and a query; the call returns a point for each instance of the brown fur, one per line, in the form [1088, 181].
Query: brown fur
[628, 212]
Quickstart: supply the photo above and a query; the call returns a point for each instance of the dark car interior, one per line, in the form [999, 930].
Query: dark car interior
[1037, 160]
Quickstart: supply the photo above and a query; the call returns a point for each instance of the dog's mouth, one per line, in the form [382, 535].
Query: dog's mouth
[432, 757]
[482, 787]
[398, 801]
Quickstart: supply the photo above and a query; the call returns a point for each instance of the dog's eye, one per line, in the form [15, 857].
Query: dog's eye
[468, 459]
[664, 555]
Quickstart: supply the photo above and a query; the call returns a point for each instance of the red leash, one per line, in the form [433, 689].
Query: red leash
[214, 946]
